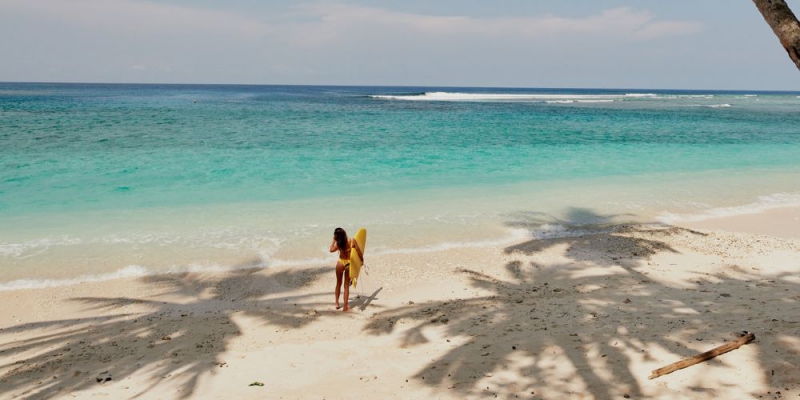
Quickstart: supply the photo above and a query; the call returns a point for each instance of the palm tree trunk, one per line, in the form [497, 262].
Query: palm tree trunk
[785, 25]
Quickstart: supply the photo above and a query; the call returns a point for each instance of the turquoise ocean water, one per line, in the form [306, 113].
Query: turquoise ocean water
[100, 181]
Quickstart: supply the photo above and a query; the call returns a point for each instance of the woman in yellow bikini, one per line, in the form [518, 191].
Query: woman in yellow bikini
[344, 245]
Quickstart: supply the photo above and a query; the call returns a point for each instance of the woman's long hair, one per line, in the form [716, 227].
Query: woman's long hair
[341, 238]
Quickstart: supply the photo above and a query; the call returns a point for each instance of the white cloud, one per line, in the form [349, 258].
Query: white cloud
[668, 28]
[321, 42]
[335, 20]
[139, 17]
[332, 21]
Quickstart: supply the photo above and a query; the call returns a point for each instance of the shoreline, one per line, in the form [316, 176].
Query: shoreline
[780, 221]
[581, 317]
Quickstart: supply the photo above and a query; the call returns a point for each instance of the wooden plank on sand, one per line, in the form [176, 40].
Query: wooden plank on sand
[688, 362]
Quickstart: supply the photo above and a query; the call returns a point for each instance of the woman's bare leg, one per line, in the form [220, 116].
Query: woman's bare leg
[346, 289]
[339, 272]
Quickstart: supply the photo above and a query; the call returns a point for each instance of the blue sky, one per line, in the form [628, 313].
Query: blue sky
[676, 44]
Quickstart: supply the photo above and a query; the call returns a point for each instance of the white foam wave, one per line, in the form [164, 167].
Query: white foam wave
[764, 203]
[223, 239]
[579, 101]
[32, 247]
[536, 97]
[133, 271]
[725, 105]
[689, 96]
[456, 96]
[638, 95]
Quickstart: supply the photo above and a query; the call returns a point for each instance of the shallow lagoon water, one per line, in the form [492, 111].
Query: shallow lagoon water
[98, 181]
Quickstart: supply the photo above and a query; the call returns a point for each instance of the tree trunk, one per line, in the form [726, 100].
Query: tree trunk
[785, 25]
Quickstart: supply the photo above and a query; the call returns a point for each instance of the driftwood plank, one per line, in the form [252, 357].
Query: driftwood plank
[688, 362]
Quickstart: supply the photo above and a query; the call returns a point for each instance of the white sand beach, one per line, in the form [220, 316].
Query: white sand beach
[574, 317]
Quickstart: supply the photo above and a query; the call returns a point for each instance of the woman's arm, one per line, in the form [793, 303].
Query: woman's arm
[334, 246]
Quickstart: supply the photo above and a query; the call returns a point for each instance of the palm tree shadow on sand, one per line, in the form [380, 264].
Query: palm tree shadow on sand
[173, 340]
[564, 327]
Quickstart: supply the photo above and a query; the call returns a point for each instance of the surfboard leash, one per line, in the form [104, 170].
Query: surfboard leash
[361, 279]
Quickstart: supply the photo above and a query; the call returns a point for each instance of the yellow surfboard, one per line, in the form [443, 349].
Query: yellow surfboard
[355, 261]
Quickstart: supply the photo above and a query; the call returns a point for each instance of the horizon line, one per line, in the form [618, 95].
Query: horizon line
[393, 85]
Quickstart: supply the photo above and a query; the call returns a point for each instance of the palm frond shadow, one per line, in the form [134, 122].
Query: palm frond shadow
[598, 306]
[176, 340]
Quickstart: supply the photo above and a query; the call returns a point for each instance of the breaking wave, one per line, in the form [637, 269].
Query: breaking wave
[456, 96]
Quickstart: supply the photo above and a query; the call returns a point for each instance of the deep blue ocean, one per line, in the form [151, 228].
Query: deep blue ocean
[101, 178]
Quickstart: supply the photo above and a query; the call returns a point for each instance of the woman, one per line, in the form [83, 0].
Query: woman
[344, 245]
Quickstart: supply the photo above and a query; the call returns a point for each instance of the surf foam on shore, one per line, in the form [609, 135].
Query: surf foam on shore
[764, 203]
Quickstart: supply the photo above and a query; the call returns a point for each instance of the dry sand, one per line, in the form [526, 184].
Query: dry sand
[580, 317]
